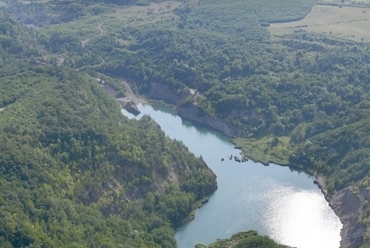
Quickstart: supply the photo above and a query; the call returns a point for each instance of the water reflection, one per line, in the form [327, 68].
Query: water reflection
[301, 218]
[276, 201]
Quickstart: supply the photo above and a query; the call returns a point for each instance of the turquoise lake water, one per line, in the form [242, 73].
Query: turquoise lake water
[274, 200]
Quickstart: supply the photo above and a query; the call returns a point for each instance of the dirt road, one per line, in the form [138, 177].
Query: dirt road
[131, 95]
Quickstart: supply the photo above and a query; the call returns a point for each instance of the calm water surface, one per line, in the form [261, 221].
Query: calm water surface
[273, 200]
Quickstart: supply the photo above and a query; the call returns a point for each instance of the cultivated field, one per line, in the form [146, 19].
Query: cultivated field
[347, 22]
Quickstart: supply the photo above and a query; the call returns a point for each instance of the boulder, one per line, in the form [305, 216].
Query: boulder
[132, 108]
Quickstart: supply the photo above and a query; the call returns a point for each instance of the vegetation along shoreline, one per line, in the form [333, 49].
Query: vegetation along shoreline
[287, 80]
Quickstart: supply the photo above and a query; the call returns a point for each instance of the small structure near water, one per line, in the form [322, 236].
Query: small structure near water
[129, 105]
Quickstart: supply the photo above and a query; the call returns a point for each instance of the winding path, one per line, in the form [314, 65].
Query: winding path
[101, 31]
[131, 95]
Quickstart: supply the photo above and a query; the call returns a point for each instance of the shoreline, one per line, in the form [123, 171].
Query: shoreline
[136, 99]
[319, 180]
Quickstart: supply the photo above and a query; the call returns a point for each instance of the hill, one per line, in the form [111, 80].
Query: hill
[76, 173]
[248, 239]
[296, 98]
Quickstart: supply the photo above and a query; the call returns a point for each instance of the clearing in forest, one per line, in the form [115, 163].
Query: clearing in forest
[154, 12]
[351, 23]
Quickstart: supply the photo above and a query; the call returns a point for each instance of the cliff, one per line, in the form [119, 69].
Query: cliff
[347, 204]
[162, 92]
[194, 113]
[70, 160]
[129, 105]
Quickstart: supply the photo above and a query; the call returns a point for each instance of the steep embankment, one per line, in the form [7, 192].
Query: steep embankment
[347, 205]
[342, 155]
[73, 171]
[307, 90]
[193, 113]
[242, 240]
[66, 151]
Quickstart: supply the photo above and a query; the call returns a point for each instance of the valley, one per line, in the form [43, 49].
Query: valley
[287, 81]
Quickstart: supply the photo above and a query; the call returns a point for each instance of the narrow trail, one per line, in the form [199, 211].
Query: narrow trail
[131, 95]
[83, 43]
[101, 31]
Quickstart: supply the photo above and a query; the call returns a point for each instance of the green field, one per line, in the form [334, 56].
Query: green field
[350, 23]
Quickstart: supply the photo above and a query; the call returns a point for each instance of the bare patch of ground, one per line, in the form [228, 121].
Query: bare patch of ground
[101, 31]
[83, 43]
[130, 95]
[346, 23]
[54, 59]
[33, 2]
[154, 12]
[60, 60]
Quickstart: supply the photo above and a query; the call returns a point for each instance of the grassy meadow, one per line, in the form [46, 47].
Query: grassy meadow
[350, 23]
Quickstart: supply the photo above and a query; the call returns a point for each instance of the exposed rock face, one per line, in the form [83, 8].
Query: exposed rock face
[194, 113]
[345, 203]
[160, 91]
[347, 206]
[131, 108]
[116, 182]
[129, 105]
[191, 112]
[125, 103]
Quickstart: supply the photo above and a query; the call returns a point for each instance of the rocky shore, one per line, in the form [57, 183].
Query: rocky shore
[192, 113]
[129, 105]
[346, 203]
[129, 102]
[347, 206]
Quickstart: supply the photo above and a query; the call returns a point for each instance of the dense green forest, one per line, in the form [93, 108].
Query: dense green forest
[295, 87]
[74, 171]
[300, 99]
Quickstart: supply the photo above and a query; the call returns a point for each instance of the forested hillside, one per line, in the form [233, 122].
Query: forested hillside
[248, 239]
[297, 98]
[74, 172]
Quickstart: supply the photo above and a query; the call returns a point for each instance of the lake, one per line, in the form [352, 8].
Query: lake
[276, 201]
